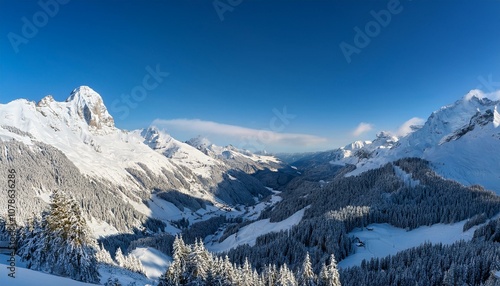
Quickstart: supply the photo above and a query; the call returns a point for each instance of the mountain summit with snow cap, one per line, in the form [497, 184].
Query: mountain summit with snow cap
[88, 105]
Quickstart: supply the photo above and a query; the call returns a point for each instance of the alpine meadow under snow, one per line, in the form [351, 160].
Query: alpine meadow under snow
[100, 205]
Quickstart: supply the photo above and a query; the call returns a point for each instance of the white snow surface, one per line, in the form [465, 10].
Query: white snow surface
[101, 228]
[27, 277]
[248, 234]
[153, 260]
[386, 239]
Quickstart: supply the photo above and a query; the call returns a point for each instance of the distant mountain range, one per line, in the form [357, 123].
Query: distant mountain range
[138, 188]
[462, 140]
[135, 161]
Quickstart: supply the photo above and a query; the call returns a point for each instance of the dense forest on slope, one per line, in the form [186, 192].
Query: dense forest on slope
[405, 193]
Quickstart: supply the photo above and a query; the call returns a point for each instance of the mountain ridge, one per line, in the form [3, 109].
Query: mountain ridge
[457, 137]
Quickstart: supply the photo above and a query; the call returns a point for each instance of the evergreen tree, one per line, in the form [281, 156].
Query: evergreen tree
[230, 275]
[61, 243]
[329, 275]
[119, 257]
[333, 272]
[285, 277]
[176, 273]
[270, 275]
[246, 274]
[133, 263]
[323, 276]
[450, 276]
[198, 263]
[306, 274]
[103, 256]
[32, 243]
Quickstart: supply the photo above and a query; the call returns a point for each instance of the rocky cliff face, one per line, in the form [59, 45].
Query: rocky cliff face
[89, 106]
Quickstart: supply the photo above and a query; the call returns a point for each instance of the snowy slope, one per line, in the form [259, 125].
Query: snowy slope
[84, 131]
[234, 157]
[154, 261]
[384, 239]
[89, 143]
[462, 141]
[27, 277]
[182, 153]
[249, 233]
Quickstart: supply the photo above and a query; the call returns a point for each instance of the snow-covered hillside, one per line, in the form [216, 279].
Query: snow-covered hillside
[462, 140]
[249, 233]
[138, 188]
[381, 240]
[27, 277]
[84, 131]
[133, 163]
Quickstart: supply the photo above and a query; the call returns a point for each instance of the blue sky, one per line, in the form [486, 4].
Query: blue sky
[270, 72]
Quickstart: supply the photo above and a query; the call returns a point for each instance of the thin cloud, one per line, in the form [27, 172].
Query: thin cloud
[406, 127]
[362, 128]
[240, 133]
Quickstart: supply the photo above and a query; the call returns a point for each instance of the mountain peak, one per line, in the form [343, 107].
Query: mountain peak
[45, 101]
[155, 138]
[84, 93]
[199, 142]
[481, 97]
[89, 106]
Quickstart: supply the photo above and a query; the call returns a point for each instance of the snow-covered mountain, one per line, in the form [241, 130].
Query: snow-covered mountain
[133, 163]
[461, 140]
[137, 188]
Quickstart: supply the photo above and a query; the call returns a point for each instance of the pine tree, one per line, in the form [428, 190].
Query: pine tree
[119, 257]
[61, 243]
[329, 275]
[32, 243]
[176, 273]
[229, 272]
[133, 263]
[286, 277]
[103, 256]
[198, 263]
[270, 275]
[324, 279]
[333, 271]
[450, 278]
[246, 274]
[306, 276]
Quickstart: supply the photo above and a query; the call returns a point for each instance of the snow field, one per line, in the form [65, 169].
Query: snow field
[384, 239]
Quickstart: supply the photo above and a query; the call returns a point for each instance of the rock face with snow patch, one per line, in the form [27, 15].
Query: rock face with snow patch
[88, 105]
